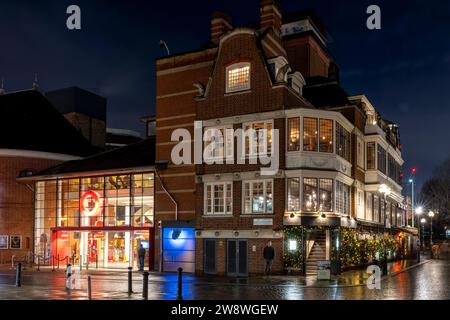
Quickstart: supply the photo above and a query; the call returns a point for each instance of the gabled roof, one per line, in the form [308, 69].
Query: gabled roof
[30, 122]
[137, 155]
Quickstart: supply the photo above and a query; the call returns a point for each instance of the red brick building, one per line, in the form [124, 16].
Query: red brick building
[31, 141]
[338, 179]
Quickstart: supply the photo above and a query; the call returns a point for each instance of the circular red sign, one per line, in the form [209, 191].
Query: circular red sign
[90, 203]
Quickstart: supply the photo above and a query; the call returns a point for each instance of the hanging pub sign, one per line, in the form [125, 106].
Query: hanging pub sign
[90, 203]
[15, 242]
[3, 242]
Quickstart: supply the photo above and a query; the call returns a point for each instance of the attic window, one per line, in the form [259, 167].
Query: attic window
[238, 77]
[296, 82]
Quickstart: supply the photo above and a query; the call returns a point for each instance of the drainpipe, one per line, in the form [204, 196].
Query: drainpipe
[168, 194]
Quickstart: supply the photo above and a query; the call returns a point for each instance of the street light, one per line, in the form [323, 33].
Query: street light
[431, 215]
[422, 221]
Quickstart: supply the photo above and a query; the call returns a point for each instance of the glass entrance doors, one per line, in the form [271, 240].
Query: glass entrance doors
[103, 248]
[237, 260]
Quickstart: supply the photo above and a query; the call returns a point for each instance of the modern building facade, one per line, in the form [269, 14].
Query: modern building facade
[338, 183]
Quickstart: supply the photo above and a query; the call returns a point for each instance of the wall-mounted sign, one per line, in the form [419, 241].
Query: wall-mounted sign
[90, 203]
[15, 242]
[3, 242]
[263, 222]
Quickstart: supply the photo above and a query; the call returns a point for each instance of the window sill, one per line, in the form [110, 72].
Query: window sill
[250, 215]
[217, 215]
[242, 91]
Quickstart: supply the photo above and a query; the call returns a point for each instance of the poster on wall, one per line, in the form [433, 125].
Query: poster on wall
[3, 242]
[15, 242]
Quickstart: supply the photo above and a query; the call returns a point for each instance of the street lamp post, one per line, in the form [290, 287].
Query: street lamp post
[419, 211]
[422, 221]
[431, 215]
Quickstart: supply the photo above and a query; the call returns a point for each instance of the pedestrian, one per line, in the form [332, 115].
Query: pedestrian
[269, 254]
[141, 254]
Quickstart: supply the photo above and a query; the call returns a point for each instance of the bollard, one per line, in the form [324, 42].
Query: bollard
[130, 280]
[57, 258]
[18, 274]
[68, 277]
[39, 264]
[13, 258]
[89, 288]
[96, 261]
[145, 286]
[81, 262]
[53, 263]
[180, 284]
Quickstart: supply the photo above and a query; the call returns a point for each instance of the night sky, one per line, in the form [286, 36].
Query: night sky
[404, 68]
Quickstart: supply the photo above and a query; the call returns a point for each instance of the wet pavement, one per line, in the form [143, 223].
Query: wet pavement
[406, 280]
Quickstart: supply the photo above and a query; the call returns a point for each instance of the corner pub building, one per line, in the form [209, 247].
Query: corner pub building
[338, 186]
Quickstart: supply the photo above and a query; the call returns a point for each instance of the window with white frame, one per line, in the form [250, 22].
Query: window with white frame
[258, 138]
[238, 77]
[360, 152]
[293, 186]
[342, 198]
[258, 196]
[360, 204]
[376, 208]
[218, 198]
[369, 206]
[219, 143]
[317, 194]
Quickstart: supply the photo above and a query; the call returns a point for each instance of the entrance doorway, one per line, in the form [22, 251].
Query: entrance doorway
[102, 248]
[237, 258]
[209, 256]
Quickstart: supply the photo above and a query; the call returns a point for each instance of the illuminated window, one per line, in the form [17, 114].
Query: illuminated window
[371, 155]
[218, 199]
[294, 134]
[326, 135]
[258, 196]
[369, 205]
[342, 198]
[258, 138]
[381, 158]
[360, 204]
[218, 143]
[238, 77]
[310, 134]
[376, 208]
[343, 138]
[293, 194]
[360, 153]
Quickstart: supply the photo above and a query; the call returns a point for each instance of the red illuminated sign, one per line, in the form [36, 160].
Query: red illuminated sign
[90, 203]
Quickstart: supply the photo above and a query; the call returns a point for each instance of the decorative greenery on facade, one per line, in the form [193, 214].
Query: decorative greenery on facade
[293, 259]
[358, 251]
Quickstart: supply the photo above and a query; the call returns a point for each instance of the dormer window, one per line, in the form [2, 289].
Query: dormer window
[238, 77]
[296, 82]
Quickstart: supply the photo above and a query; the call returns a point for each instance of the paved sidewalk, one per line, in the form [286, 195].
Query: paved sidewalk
[49, 285]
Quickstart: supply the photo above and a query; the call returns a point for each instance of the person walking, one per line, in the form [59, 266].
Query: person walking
[269, 254]
[141, 255]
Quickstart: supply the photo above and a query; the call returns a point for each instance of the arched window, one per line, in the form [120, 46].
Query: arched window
[238, 77]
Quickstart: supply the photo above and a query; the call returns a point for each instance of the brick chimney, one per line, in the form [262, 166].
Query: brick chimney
[220, 24]
[270, 15]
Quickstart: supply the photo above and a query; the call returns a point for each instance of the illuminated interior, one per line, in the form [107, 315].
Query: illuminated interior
[96, 221]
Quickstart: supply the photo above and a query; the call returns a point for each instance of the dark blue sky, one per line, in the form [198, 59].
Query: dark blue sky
[404, 69]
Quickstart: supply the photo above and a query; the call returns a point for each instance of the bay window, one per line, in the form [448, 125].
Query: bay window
[381, 157]
[219, 143]
[369, 206]
[309, 134]
[371, 155]
[293, 194]
[317, 194]
[343, 139]
[258, 196]
[376, 208]
[294, 134]
[342, 198]
[326, 135]
[360, 204]
[218, 198]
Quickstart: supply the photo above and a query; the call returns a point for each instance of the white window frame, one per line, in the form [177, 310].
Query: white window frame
[205, 199]
[251, 144]
[360, 152]
[360, 204]
[5, 236]
[239, 65]
[251, 182]
[227, 146]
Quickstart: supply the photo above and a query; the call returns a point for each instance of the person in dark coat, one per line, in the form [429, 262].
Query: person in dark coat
[269, 254]
[141, 254]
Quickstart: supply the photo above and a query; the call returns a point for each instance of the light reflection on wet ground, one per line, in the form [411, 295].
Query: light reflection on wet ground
[426, 281]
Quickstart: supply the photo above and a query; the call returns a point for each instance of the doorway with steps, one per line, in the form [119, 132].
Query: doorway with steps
[317, 249]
